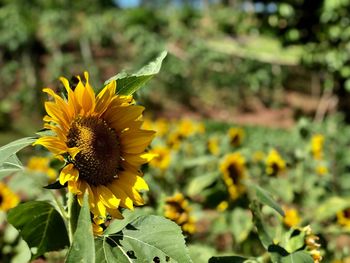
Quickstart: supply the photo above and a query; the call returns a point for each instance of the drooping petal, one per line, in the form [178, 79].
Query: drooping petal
[68, 173]
[136, 141]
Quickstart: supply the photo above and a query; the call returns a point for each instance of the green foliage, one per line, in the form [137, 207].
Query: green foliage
[127, 84]
[83, 248]
[39, 223]
[147, 238]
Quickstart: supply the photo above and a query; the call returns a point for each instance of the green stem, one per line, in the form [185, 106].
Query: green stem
[59, 205]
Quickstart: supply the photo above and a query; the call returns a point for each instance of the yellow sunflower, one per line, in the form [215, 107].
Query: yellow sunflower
[344, 218]
[233, 170]
[317, 142]
[8, 199]
[178, 210]
[236, 136]
[162, 158]
[291, 218]
[42, 165]
[103, 145]
[275, 165]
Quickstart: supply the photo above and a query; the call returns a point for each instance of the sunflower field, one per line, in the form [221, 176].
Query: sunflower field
[174, 131]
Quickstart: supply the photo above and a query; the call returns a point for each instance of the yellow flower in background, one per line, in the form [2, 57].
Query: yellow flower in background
[317, 142]
[178, 210]
[174, 140]
[291, 218]
[161, 127]
[236, 136]
[186, 127]
[343, 218]
[275, 165]
[321, 169]
[213, 145]
[104, 146]
[233, 170]
[222, 206]
[8, 199]
[42, 165]
[162, 157]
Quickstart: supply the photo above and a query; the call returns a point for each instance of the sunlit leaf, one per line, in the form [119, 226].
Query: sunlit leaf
[298, 257]
[10, 165]
[83, 247]
[146, 239]
[13, 147]
[40, 225]
[127, 84]
[265, 198]
[264, 236]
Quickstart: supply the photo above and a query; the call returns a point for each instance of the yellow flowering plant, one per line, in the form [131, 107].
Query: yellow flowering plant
[99, 139]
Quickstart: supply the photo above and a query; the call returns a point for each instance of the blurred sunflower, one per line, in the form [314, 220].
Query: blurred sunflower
[8, 199]
[343, 218]
[222, 206]
[161, 158]
[213, 146]
[178, 210]
[291, 218]
[101, 139]
[236, 136]
[161, 127]
[317, 142]
[275, 165]
[233, 170]
[321, 169]
[42, 165]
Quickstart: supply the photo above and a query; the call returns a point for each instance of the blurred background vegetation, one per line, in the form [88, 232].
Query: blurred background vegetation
[263, 62]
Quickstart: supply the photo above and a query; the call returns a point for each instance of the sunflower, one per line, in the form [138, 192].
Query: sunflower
[343, 218]
[291, 218]
[233, 171]
[275, 165]
[317, 142]
[42, 165]
[103, 145]
[162, 157]
[178, 210]
[8, 199]
[236, 136]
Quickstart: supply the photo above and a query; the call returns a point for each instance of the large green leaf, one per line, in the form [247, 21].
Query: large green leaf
[40, 225]
[10, 165]
[265, 198]
[298, 257]
[83, 247]
[330, 207]
[146, 239]
[127, 84]
[13, 147]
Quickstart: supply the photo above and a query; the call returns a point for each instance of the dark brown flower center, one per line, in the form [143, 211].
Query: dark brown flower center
[234, 173]
[1, 198]
[346, 213]
[99, 156]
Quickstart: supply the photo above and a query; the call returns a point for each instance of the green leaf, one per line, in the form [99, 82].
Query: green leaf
[13, 147]
[241, 224]
[330, 207]
[201, 253]
[265, 198]
[229, 259]
[199, 183]
[40, 225]
[117, 225]
[83, 247]
[298, 257]
[146, 239]
[127, 84]
[264, 236]
[9, 166]
[202, 160]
